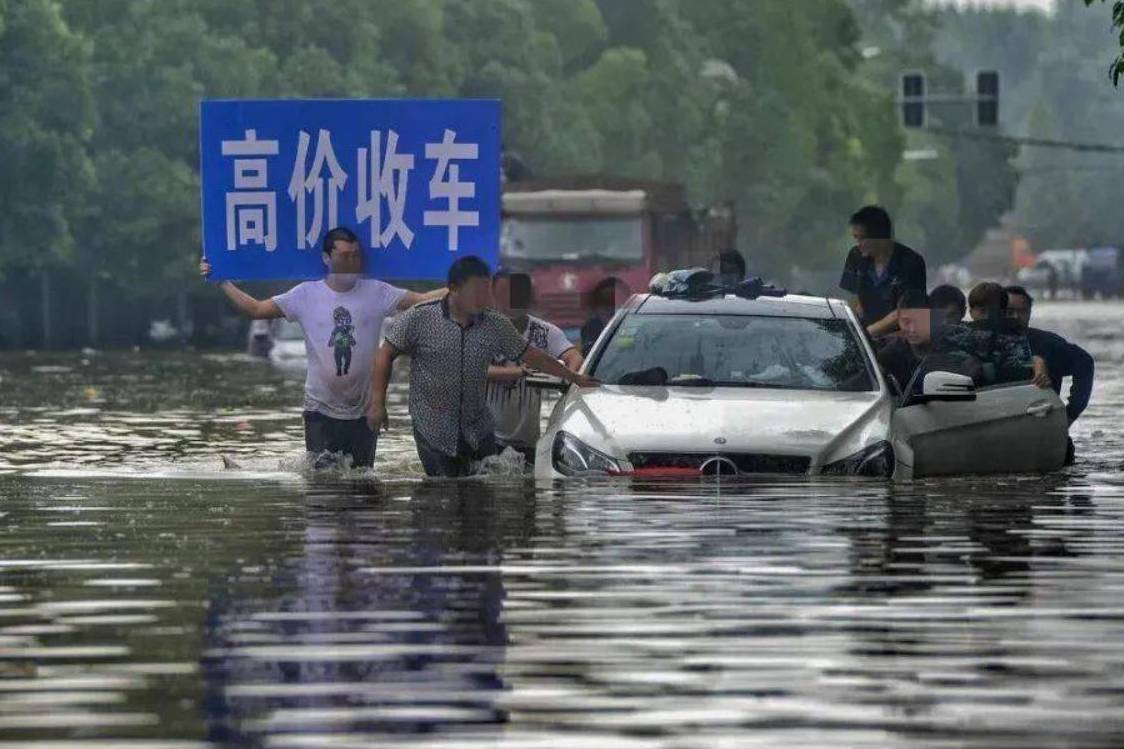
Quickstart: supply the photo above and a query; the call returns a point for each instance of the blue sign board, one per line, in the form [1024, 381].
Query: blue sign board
[417, 180]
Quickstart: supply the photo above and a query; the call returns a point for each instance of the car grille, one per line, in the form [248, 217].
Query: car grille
[745, 462]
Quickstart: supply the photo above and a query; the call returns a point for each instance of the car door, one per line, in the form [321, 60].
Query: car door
[1015, 428]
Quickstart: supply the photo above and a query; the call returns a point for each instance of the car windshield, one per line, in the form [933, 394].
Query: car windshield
[588, 240]
[289, 331]
[735, 351]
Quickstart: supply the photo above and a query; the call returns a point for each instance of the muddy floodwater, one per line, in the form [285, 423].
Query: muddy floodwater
[152, 595]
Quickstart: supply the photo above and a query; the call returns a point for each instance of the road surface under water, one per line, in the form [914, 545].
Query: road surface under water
[149, 597]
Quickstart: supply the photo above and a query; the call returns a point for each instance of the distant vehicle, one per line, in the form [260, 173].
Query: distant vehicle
[288, 345]
[1055, 271]
[165, 333]
[259, 339]
[781, 385]
[1103, 273]
[569, 233]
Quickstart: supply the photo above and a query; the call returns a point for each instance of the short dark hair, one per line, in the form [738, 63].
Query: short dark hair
[988, 295]
[914, 299]
[465, 268]
[520, 287]
[875, 222]
[948, 296]
[338, 234]
[733, 258]
[1020, 291]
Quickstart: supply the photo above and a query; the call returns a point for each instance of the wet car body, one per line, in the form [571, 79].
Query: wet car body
[817, 403]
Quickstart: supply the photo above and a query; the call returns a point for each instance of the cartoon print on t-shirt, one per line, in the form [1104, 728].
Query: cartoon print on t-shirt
[536, 335]
[343, 338]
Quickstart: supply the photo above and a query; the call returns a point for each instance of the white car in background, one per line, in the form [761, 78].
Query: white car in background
[732, 386]
[288, 349]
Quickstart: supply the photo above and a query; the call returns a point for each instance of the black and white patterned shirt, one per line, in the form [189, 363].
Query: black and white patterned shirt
[449, 370]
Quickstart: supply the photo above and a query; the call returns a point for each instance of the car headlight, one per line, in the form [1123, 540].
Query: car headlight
[872, 460]
[572, 457]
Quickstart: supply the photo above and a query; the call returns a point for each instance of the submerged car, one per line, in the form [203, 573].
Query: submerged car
[784, 384]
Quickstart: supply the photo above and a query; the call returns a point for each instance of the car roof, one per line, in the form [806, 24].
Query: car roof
[790, 305]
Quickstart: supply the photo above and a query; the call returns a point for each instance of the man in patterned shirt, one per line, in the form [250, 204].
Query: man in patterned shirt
[451, 343]
[516, 407]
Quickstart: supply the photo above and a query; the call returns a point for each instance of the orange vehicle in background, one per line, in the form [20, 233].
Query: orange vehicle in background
[572, 233]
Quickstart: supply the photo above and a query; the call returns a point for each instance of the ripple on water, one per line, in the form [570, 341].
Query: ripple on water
[150, 597]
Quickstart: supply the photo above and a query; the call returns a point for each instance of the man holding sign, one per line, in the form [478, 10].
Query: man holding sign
[342, 317]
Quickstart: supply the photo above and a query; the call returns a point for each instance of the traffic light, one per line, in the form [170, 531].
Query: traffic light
[913, 99]
[987, 98]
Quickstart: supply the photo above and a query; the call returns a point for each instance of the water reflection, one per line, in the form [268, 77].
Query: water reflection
[386, 620]
[149, 595]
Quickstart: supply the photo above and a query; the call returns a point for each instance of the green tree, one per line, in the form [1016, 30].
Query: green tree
[1116, 69]
[46, 115]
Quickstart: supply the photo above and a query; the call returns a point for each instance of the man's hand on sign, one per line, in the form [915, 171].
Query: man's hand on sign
[204, 268]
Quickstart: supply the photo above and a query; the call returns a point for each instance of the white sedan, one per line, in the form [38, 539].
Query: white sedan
[729, 385]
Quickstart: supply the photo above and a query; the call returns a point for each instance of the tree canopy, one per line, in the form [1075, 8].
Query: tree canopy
[788, 113]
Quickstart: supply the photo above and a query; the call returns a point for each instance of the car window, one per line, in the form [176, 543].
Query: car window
[735, 351]
[290, 331]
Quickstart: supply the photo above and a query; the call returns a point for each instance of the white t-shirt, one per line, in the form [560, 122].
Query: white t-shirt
[516, 408]
[341, 334]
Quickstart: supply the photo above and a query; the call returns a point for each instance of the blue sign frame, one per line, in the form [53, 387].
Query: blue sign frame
[417, 179]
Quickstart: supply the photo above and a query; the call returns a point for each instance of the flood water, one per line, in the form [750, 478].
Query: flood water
[150, 597]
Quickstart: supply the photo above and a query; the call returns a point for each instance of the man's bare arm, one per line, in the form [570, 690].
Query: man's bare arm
[255, 309]
[384, 366]
[505, 373]
[573, 358]
[885, 326]
[544, 362]
[410, 298]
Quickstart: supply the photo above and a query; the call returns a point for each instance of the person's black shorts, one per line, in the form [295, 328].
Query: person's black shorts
[326, 439]
[464, 463]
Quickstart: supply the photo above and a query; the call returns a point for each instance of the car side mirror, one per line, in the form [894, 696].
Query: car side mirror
[947, 386]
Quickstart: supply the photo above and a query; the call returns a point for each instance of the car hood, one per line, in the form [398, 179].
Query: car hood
[822, 425]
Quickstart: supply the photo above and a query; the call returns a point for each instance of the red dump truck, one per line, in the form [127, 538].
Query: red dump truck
[570, 233]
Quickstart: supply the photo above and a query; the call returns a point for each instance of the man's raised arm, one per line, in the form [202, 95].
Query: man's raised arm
[410, 298]
[255, 309]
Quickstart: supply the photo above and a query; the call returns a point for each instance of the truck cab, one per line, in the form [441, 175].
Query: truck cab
[570, 234]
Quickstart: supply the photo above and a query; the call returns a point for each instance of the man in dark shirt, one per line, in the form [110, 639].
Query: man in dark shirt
[879, 270]
[924, 342]
[949, 303]
[1063, 359]
[998, 341]
[901, 357]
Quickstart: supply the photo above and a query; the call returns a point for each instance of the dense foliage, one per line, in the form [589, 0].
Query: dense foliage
[781, 107]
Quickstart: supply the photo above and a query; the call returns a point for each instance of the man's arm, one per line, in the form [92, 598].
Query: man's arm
[410, 298]
[884, 327]
[505, 373]
[1081, 388]
[573, 358]
[384, 366]
[544, 362]
[1041, 373]
[255, 309]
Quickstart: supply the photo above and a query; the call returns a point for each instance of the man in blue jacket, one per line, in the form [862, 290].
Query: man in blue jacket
[1063, 359]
